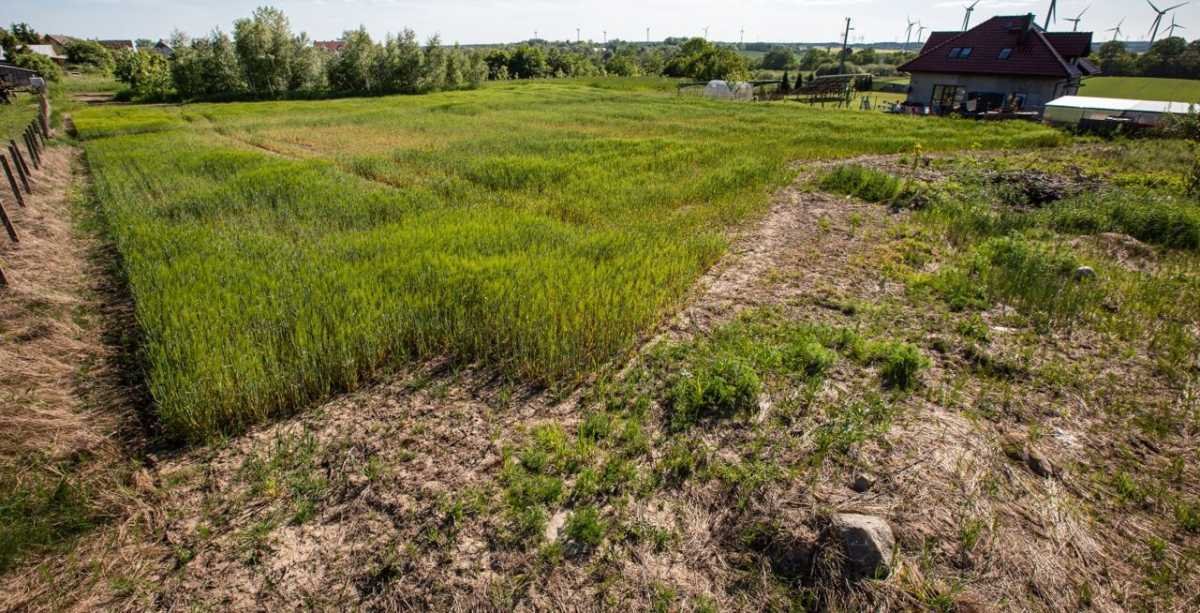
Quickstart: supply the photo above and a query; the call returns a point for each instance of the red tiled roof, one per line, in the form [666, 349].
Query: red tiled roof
[329, 45]
[1033, 52]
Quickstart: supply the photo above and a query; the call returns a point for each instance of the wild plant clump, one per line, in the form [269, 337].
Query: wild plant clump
[723, 387]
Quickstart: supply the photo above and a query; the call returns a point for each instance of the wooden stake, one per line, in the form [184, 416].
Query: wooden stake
[33, 154]
[19, 162]
[12, 232]
[12, 181]
[3, 279]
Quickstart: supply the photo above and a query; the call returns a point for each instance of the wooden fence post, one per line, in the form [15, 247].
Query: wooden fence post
[19, 161]
[12, 181]
[33, 154]
[12, 232]
[44, 114]
[37, 135]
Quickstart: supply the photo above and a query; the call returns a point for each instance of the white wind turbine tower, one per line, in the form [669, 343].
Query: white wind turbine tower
[967, 18]
[1117, 30]
[920, 32]
[1171, 29]
[1158, 17]
[1050, 14]
[1078, 18]
[908, 32]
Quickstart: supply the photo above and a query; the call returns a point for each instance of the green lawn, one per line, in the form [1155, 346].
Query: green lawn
[1144, 88]
[279, 252]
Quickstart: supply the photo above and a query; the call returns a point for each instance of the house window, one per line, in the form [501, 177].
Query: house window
[1005, 53]
[954, 52]
[961, 53]
[945, 97]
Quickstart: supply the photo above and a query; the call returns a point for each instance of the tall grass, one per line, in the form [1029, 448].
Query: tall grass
[534, 228]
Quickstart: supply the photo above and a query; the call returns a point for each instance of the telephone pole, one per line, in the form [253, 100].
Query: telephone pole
[845, 46]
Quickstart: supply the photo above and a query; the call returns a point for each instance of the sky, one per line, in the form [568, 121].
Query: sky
[491, 21]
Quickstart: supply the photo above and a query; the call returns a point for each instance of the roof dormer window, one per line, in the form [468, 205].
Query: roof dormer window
[961, 53]
[1005, 53]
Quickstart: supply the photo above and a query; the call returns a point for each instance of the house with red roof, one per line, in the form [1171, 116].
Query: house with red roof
[1003, 63]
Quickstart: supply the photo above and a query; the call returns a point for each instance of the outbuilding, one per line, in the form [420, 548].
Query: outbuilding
[1090, 112]
[1005, 63]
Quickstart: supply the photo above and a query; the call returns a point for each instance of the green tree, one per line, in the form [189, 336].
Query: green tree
[400, 63]
[527, 62]
[624, 63]
[24, 34]
[89, 53]
[1164, 59]
[40, 64]
[206, 67]
[355, 68]
[265, 51]
[779, 58]
[1115, 60]
[147, 74]
[785, 84]
[433, 77]
[497, 63]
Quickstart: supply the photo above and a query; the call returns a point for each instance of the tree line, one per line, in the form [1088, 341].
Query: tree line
[1170, 57]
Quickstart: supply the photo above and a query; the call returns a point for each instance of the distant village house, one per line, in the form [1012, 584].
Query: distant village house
[1004, 63]
[332, 46]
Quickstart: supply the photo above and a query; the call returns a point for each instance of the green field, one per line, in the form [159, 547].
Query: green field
[280, 252]
[1144, 88]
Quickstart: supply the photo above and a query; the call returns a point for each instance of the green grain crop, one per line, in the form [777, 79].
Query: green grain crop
[280, 252]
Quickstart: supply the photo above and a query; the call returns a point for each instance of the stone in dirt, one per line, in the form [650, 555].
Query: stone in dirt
[1085, 272]
[863, 482]
[867, 543]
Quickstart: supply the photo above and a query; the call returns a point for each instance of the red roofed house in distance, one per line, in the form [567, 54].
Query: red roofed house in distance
[1005, 63]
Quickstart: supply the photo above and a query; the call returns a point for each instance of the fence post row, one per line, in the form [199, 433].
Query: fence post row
[12, 181]
[19, 162]
[12, 231]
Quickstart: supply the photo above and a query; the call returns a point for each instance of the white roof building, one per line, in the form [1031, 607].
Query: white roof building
[1074, 109]
[48, 51]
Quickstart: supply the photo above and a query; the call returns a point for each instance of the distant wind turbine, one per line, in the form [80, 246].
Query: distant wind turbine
[1159, 13]
[908, 31]
[1117, 30]
[1078, 18]
[705, 32]
[920, 32]
[967, 18]
[1050, 14]
[1171, 29]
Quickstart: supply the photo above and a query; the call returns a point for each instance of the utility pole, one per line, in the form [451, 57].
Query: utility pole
[845, 46]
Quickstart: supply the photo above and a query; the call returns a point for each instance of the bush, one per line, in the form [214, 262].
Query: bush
[147, 74]
[89, 53]
[44, 66]
[722, 387]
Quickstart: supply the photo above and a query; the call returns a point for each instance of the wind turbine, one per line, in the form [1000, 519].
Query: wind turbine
[967, 19]
[1050, 14]
[1078, 18]
[1171, 29]
[908, 31]
[1159, 16]
[920, 32]
[705, 32]
[1117, 30]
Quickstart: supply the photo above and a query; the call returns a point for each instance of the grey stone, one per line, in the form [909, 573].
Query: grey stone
[867, 543]
[1084, 272]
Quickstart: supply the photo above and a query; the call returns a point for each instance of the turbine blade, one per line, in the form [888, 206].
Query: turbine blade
[1174, 7]
[1153, 7]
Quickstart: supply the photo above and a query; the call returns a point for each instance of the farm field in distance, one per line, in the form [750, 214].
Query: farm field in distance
[280, 252]
[1143, 88]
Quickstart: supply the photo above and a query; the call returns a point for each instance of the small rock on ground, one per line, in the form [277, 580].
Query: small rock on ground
[867, 542]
